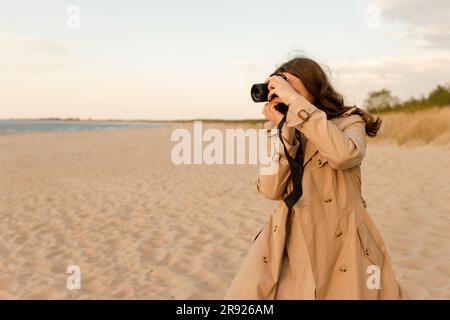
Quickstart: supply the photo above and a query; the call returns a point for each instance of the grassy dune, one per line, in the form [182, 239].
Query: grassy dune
[429, 126]
[410, 128]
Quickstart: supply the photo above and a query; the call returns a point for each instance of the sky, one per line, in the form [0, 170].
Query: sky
[198, 59]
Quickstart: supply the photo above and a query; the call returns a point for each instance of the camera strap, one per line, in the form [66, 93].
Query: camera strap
[296, 168]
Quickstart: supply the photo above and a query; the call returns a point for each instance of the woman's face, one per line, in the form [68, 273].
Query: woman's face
[298, 86]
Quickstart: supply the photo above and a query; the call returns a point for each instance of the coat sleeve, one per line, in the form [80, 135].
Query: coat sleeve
[273, 186]
[343, 148]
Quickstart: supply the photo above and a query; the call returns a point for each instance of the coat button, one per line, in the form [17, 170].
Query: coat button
[275, 228]
[367, 252]
[319, 162]
[328, 200]
[343, 268]
[266, 259]
[338, 233]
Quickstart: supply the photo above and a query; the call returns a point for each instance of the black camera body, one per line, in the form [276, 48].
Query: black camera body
[260, 92]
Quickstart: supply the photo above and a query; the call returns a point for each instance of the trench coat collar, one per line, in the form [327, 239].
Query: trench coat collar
[309, 149]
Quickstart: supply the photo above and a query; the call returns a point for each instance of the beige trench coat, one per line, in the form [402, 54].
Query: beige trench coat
[333, 248]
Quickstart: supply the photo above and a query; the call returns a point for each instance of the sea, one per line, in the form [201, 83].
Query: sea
[24, 126]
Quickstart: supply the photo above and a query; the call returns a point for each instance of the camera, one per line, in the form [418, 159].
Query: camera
[260, 92]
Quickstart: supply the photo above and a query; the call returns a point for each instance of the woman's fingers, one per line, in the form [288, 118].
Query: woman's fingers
[271, 113]
[274, 82]
[271, 83]
[267, 110]
[275, 116]
[271, 79]
[271, 94]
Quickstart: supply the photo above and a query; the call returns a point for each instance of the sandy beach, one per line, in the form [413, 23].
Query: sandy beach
[140, 227]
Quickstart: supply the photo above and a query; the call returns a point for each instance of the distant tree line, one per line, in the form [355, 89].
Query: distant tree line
[384, 101]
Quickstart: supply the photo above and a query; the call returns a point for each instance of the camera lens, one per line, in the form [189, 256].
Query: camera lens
[259, 92]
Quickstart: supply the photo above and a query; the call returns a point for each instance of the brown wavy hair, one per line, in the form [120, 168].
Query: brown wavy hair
[326, 98]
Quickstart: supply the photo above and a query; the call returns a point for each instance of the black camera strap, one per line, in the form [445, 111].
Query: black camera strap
[296, 168]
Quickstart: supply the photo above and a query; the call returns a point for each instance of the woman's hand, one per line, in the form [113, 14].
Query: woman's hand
[275, 116]
[271, 113]
[280, 87]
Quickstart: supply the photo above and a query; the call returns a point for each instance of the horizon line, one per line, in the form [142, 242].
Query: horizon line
[128, 120]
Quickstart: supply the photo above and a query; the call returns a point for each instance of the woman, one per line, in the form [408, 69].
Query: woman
[326, 246]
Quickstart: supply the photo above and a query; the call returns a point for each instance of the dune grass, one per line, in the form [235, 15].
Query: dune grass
[428, 126]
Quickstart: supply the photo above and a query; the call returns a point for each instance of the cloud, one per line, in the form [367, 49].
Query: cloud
[428, 21]
[405, 77]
